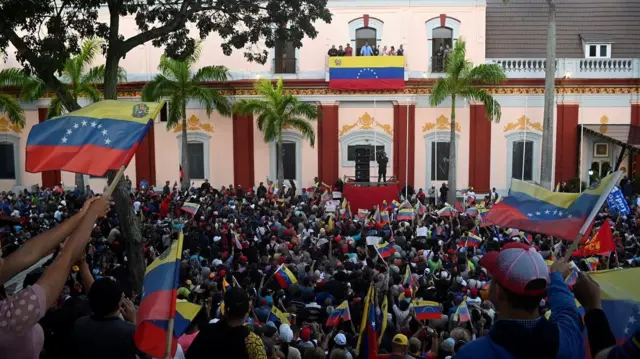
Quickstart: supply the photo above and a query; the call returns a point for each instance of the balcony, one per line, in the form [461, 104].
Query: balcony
[574, 68]
[365, 63]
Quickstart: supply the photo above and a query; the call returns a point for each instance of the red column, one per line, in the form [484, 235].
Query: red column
[635, 121]
[327, 144]
[146, 158]
[566, 142]
[480, 150]
[49, 178]
[402, 154]
[243, 160]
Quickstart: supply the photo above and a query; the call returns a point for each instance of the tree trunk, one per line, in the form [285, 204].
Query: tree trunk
[129, 229]
[549, 96]
[451, 197]
[280, 165]
[129, 225]
[186, 179]
[79, 179]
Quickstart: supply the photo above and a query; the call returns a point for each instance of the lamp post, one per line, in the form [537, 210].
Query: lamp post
[590, 175]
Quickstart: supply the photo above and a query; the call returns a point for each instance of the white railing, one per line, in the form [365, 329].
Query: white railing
[573, 68]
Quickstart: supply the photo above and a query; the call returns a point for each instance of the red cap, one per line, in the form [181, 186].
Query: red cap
[305, 334]
[515, 267]
[473, 292]
[222, 273]
[407, 293]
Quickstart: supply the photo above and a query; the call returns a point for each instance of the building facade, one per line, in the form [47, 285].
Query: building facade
[596, 111]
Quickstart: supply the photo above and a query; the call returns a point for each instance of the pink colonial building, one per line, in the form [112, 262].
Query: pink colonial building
[597, 112]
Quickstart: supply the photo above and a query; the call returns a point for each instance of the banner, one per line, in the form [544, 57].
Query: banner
[368, 197]
[617, 203]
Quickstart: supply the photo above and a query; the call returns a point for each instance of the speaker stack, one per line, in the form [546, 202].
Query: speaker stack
[362, 163]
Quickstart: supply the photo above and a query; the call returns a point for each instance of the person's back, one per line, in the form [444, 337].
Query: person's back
[520, 280]
[97, 338]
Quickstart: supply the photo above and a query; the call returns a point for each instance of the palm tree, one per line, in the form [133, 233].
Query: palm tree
[180, 82]
[8, 104]
[462, 80]
[276, 112]
[80, 79]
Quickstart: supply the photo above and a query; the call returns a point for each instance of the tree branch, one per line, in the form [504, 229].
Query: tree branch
[43, 71]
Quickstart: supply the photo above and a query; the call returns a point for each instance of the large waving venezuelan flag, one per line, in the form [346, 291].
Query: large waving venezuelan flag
[533, 208]
[92, 140]
[366, 72]
[620, 300]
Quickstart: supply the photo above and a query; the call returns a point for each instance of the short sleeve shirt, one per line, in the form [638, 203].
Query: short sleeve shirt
[21, 337]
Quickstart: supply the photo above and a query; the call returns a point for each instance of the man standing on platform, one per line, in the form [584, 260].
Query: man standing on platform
[382, 166]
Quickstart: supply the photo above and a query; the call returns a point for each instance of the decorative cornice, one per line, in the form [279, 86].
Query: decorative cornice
[194, 124]
[523, 124]
[366, 122]
[442, 124]
[6, 126]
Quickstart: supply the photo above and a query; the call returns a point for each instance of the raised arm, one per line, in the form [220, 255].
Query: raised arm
[34, 249]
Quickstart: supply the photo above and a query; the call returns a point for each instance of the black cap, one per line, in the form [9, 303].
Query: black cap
[236, 302]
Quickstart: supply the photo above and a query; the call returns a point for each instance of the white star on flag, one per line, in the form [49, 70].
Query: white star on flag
[75, 125]
[64, 140]
[69, 132]
[529, 214]
[84, 123]
[107, 141]
[93, 124]
[547, 212]
[560, 213]
[104, 132]
[538, 213]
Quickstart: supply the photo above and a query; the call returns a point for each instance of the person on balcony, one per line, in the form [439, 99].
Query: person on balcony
[348, 51]
[340, 51]
[400, 51]
[385, 51]
[376, 52]
[392, 51]
[333, 51]
[366, 50]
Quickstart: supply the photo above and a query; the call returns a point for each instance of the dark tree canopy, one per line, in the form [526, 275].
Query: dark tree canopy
[47, 32]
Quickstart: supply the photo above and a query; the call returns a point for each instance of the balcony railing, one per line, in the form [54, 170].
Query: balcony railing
[574, 68]
[284, 66]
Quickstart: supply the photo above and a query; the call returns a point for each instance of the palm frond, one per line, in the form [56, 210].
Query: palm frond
[88, 52]
[305, 109]
[440, 92]
[247, 107]
[197, 51]
[88, 91]
[489, 74]
[159, 87]
[211, 73]
[122, 74]
[492, 107]
[32, 89]
[95, 75]
[211, 99]
[12, 77]
[55, 108]
[174, 70]
[304, 127]
[12, 109]
[176, 113]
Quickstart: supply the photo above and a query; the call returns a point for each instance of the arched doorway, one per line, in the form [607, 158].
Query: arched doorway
[442, 43]
[365, 35]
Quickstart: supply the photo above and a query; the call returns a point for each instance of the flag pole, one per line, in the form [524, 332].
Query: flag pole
[169, 337]
[594, 211]
[114, 182]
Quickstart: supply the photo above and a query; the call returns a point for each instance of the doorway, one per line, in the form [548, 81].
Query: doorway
[289, 161]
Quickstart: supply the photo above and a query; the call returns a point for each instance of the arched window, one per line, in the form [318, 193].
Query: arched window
[292, 163]
[441, 45]
[523, 156]
[437, 149]
[365, 36]
[198, 149]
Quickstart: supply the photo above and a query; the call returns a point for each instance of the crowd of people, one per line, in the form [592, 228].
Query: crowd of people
[80, 302]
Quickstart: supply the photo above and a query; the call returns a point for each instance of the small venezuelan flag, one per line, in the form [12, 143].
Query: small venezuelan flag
[473, 241]
[278, 316]
[426, 310]
[367, 346]
[406, 280]
[405, 214]
[92, 140]
[447, 211]
[190, 207]
[158, 304]
[284, 277]
[395, 204]
[462, 312]
[366, 73]
[385, 249]
[342, 311]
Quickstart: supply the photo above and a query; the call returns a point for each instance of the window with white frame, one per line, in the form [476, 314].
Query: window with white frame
[197, 154]
[597, 51]
[523, 155]
[7, 161]
[437, 155]
[601, 161]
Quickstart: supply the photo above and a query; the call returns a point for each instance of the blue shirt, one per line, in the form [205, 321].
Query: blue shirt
[366, 51]
[564, 313]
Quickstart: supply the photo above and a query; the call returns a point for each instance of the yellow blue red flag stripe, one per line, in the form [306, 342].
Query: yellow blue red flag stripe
[532, 208]
[158, 303]
[426, 310]
[284, 277]
[620, 300]
[100, 137]
[342, 311]
[366, 72]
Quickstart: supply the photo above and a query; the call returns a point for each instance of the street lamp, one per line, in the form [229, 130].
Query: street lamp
[590, 173]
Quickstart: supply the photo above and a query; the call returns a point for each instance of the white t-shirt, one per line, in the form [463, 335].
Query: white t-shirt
[58, 215]
[136, 206]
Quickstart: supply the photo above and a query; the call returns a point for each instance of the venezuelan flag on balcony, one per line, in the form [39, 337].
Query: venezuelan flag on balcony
[366, 73]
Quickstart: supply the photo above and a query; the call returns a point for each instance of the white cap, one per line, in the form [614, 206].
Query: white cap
[340, 339]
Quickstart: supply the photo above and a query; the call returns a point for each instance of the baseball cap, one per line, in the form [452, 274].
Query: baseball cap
[400, 339]
[236, 301]
[340, 339]
[515, 266]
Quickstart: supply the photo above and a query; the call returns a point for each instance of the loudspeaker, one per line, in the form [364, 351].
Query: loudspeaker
[362, 163]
